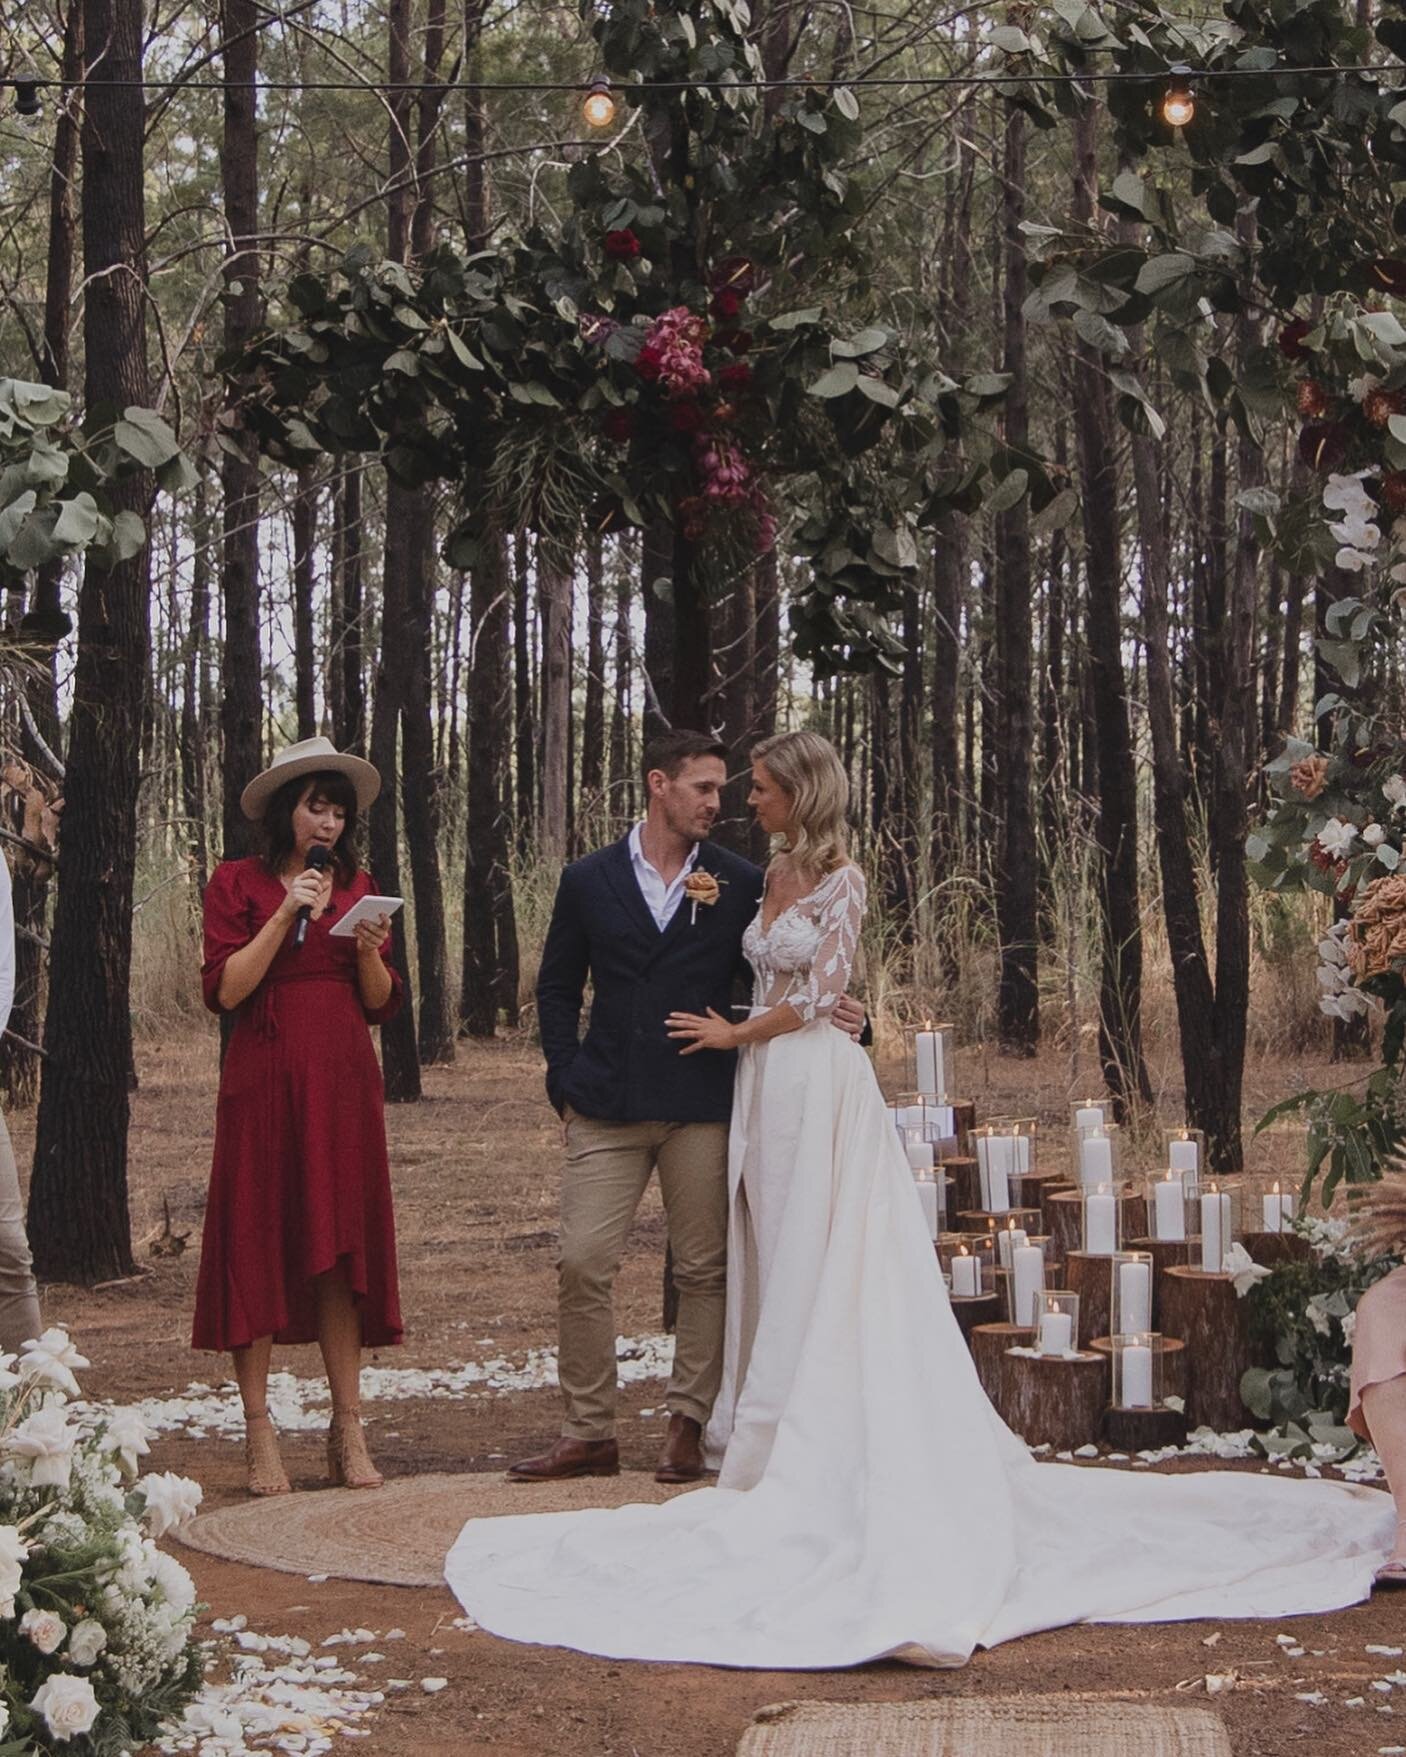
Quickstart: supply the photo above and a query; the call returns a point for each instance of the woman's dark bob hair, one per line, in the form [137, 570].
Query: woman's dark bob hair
[276, 828]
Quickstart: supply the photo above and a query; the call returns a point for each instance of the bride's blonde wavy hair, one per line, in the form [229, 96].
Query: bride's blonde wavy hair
[808, 770]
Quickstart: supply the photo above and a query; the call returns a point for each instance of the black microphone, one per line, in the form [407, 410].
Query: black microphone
[319, 859]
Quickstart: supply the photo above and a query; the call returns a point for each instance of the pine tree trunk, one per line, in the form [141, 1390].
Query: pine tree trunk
[304, 584]
[1017, 863]
[656, 553]
[591, 809]
[241, 673]
[349, 699]
[78, 1214]
[193, 752]
[1120, 989]
[490, 935]
[554, 581]
[622, 779]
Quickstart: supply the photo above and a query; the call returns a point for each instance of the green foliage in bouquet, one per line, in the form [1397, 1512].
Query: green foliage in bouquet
[95, 1621]
[1307, 1311]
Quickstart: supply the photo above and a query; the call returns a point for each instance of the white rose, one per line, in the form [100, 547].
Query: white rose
[1394, 790]
[125, 1437]
[170, 1500]
[1336, 838]
[68, 1705]
[87, 1641]
[173, 1581]
[52, 1357]
[13, 1552]
[1374, 835]
[46, 1439]
[44, 1629]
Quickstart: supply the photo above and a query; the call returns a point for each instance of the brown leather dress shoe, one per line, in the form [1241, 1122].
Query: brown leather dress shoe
[682, 1457]
[569, 1458]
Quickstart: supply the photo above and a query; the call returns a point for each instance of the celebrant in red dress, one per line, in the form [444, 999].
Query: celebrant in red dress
[299, 1242]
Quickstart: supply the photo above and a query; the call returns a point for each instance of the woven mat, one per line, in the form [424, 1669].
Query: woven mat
[1009, 1726]
[398, 1535]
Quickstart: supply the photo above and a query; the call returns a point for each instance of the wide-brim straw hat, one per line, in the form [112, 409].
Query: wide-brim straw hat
[313, 756]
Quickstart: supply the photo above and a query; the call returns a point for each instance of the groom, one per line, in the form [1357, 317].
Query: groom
[656, 923]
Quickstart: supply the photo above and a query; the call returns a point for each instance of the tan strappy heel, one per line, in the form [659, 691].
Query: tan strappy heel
[261, 1456]
[348, 1462]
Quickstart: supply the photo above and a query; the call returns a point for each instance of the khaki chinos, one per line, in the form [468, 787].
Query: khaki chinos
[608, 1167]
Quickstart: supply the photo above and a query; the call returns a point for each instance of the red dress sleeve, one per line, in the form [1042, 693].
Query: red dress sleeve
[229, 927]
[365, 887]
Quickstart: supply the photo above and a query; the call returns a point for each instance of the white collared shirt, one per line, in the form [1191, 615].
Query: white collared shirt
[661, 900]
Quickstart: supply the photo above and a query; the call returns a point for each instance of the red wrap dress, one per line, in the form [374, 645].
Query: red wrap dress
[300, 1182]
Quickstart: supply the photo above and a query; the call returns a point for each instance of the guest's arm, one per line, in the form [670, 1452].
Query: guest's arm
[245, 969]
[561, 985]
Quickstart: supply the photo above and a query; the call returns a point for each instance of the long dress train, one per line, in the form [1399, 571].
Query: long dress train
[871, 1502]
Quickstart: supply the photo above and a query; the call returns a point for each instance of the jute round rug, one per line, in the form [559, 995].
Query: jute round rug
[398, 1535]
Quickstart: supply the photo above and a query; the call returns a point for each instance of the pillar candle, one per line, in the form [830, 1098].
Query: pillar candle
[1169, 1208]
[1100, 1222]
[927, 1196]
[1028, 1280]
[1137, 1376]
[1184, 1155]
[1007, 1240]
[1215, 1229]
[1278, 1210]
[966, 1275]
[919, 1154]
[1022, 1155]
[1095, 1159]
[932, 1072]
[1056, 1332]
[993, 1159]
[1134, 1297]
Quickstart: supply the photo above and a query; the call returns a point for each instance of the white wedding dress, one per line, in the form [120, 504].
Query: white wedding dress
[871, 1502]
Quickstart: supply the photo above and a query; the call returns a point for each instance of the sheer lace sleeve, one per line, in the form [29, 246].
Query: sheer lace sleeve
[837, 911]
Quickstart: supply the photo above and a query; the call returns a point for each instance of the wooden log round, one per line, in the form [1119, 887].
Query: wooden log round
[1166, 1254]
[1092, 1279]
[1205, 1312]
[1173, 1352]
[964, 1115]
[983, 1308]
[1065, 1219]
[1274, 1248]
[1143, 1430]
[1049, 1400]
[989, 1343]
[963, 1186]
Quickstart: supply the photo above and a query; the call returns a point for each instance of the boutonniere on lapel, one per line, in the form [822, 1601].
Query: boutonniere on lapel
[702, 886]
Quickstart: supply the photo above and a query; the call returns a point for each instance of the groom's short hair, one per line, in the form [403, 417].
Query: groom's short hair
[669, 751]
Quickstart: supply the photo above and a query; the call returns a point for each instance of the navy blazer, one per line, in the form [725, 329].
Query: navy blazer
[627, 1068]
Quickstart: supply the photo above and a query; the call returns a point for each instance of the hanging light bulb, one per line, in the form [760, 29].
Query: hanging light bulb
[28, 106]
[598, 106]
[1178, 104]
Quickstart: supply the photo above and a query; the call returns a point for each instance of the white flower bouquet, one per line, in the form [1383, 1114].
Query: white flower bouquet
[95, 1621]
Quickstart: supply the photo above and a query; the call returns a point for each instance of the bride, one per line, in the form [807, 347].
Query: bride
[871, 1502]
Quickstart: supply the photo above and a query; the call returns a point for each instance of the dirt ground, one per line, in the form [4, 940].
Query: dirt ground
[475, 1169]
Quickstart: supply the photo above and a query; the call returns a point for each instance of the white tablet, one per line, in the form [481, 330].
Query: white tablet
[364, 909]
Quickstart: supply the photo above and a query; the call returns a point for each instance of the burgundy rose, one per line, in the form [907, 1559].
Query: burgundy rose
[685, 417]
[1323, 445]
[735, 377]
[1380, 405]
[649, 362]
[737, 341]
[1394, 492]
[726, 303]
[619, 425]
[1291, 339]
[1313, 400]
[623, 246]
[738, 273]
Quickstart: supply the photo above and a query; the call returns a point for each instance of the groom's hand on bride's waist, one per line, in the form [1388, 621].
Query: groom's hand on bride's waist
[849, 1016]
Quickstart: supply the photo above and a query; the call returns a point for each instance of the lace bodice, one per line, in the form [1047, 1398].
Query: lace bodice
[805, 957]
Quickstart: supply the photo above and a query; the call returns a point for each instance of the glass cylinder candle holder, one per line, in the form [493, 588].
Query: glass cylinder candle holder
[1131, 1295]
[1137, 1371]
[1021, 1129]
[1102, 1217]
[967, 1261]
[1096, 1155]
[1184, 1151]
[1173, 1211]
[932, 1057]
[926, 1182]
[1057, 1332]
[1023, 1265]
[1219, 1225]
[1090, 1113]
[1273, 1204]
[996, 1152]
